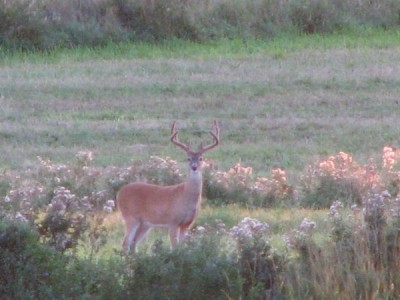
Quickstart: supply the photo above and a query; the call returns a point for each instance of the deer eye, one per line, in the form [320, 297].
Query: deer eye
[200, 159]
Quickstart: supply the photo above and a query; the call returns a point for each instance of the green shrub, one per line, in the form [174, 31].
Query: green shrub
[340, 178]
[31, 270]
[331, 189]
[193, 272]
[28, 269]
[49, 24]
[312, 16]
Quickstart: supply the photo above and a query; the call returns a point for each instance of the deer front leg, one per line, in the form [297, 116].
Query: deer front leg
[174, 232]
[182, 232]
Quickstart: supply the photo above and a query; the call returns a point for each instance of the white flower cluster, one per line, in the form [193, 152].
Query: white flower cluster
[63, 200]
[248, 228]
[374, 208]
[20, 198]
[335, 210]
[109, 206]
[298, 236]
[307, 226]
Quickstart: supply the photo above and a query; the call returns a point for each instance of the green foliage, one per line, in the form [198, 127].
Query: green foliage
[312, 16]
[45, 24]
[359, 256]
[29, 270]
[329, 190]
[196, 272]
[211, 263]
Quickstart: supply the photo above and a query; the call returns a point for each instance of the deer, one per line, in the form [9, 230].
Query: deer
[144, 206]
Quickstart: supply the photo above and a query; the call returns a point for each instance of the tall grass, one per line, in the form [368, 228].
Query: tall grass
[45, 24]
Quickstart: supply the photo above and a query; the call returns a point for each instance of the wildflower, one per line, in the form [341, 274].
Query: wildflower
[200, 229]
[388, 158]
[307, 225]
[248, 228]
[334, 210]
[221, 227]
[301, 235]
[107, 209]
[374, 211]
[20, 217]
[110, 203]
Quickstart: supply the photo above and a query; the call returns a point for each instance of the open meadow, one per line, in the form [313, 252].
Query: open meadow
[315, 117]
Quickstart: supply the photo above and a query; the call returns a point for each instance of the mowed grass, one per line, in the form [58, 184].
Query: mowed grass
[284, 102]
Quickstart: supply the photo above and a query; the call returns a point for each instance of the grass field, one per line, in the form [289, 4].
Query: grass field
[280, 103]
[284, 103]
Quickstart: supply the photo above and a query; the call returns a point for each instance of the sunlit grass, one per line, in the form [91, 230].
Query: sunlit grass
[278, 47]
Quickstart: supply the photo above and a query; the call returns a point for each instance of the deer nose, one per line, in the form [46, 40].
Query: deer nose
[194, 168]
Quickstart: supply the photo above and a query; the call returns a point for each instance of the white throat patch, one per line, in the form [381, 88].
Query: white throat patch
[195, 175]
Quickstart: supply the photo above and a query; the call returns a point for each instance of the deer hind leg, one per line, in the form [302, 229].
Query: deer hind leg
[132, 227]
[140, 233]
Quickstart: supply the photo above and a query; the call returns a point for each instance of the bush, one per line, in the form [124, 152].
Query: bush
[312, 16]
[29, 270]
[238, 186]
[360, 260]
[212, 263]
[198, 272]
[62, 202]
[49, 24]
[340, 178]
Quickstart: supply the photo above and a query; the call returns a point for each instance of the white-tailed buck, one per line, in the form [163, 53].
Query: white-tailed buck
[175, 207]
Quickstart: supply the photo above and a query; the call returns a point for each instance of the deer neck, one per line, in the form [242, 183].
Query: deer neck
[193, 186]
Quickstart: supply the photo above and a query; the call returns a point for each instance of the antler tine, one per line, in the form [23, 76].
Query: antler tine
[174, 138]
[215, 135]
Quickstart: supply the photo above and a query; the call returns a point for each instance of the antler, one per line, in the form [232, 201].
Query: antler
[202, 149]
[215, 135]
[174, 139]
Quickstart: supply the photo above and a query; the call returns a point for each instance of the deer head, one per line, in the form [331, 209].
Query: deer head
[195, 158]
